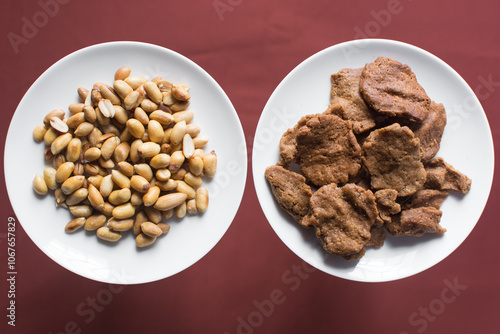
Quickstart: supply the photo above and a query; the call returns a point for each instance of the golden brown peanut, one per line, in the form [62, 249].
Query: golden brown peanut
[121, 152]
[181, 210]
[39, 185]
[48, 156]
[132, 100]
[162, 117]
[121, 114]
[169, 201]
[139, 183]
[49, 136]
[179, 175]
[144, 170]
[159, 161]
[164, 227]
[142, 95]
[187, 146]
[106, 234]
[49, 176]
[166, 135]
[81, 210]
[141, 116]
[92, 169]
[143, 240]
[126, 136]
[95, 198]
[122, 88]
[108, 209]
[136, 198]
[163, 174]
[39, 133]
[201, 199]
[84, 129]
[176, 161]
[108, 147]
[123, 211]
[180, 93]
[94, 222]
[88, 98]
[193, 180]
[192, 129]
[183, 187]
[95, 95]
[106, 186]
[59, 113]
[151, 196]
[106, 164]
[154, 215]
[89, 114]
[153, 92]
[178, 132]
[200, 141]
[186, 116]
[155, 131]
[60, 143]
[74, 224]
[148, 105]
[126, 168]
[95, 180]
[135, 81]
[191, 207]
[94, 136]
[196, 165]
[119, 196]
[60, 197]
[64, 171]
[140, 218]
[74, 150]
[164, 86]
[151, 229]
[166, 185]
[135, 127]
[76, 108]
[122, 73]
[82, 93]
[59, 125]
[148, 150]
[179, 106]
[72, 183]
[77, 197]
[74, 121]
[92, 154]
[79, 169]
[59, 160]
[108, 93]
[120, 179]
[120, 225]
[210, 164]
[101, 119]
[134, 154]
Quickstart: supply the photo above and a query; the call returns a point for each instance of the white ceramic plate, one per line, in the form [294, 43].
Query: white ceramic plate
[189, 239]
[467, 145]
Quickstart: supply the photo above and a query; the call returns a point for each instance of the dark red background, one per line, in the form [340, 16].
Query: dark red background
[249, 47]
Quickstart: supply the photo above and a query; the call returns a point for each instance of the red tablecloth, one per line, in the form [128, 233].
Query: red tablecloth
[251, 282]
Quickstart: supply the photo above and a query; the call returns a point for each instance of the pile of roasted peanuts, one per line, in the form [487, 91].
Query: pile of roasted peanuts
[127, 158]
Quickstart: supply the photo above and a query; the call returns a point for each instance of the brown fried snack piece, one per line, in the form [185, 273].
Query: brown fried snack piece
[343, 217]
[288, 142]
[392, 157]
[391, 88]
[290, 191]
[431, 130]
[378, 233]
[441, 175]
[416, 222]
[347, 102]
[386, 204]
[327, 150]
[426, 198]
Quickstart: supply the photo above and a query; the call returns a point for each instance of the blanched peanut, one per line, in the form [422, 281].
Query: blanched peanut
[39, 185]
[201, 199]
[170, 201]
[210, 164]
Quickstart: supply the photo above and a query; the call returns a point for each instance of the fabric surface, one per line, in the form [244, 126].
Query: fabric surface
[251, 282]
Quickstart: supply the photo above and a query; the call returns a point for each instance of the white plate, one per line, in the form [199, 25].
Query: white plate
[189, 239]
[467, 145]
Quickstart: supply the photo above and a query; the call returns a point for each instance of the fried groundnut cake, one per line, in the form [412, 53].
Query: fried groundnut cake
[367, 163]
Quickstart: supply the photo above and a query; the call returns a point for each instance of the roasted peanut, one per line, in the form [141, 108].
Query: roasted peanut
[169, 201]
[201, 199]
[106, 234]
[143, 240]
[75, 224]
[94, 222]
[39, 185]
